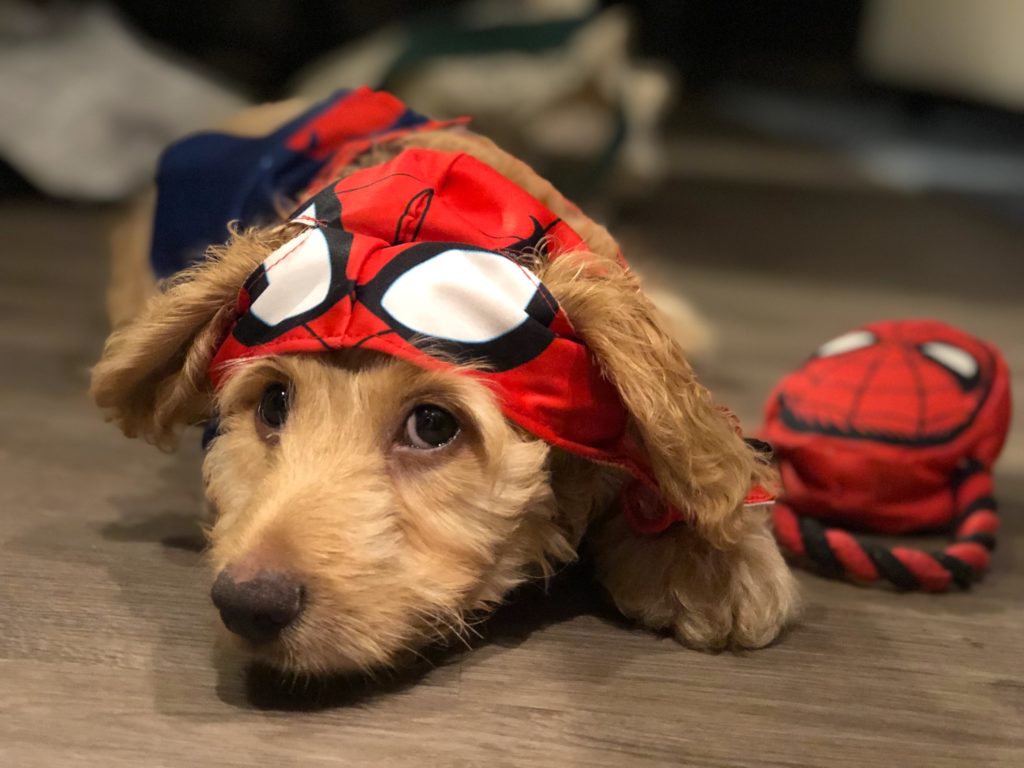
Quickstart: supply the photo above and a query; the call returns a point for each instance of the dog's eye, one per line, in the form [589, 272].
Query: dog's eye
[430, 426]
[273, 408]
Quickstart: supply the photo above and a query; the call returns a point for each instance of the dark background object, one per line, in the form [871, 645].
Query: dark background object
[260, 45]
[770, 42]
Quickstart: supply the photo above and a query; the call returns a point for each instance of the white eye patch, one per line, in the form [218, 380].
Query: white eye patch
[848, 342]
[298, 278]
[960, 362]
[462, 295]
[306, 216]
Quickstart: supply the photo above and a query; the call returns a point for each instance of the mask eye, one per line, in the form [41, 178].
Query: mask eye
[483, 296]
[848, 342]
[293, 280]
[272, 411]
[955, 360]
[430, 426]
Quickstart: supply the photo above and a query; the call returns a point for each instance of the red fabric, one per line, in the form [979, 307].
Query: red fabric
[931, 577]
[976, 486]
[787, 529]
[560, 395]
[870, 433]
[853, 558]
[975, 555]
[376, 222]
[340, 133]
[979, 522]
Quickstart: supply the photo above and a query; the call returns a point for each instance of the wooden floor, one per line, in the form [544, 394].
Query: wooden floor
[106, 631]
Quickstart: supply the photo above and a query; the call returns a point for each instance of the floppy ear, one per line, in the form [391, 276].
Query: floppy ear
[702, 466]
[151, 378]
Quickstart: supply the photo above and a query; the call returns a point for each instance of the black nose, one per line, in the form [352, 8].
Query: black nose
[259, 607]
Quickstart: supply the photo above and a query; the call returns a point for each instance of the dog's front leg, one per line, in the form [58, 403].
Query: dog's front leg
[709, 597]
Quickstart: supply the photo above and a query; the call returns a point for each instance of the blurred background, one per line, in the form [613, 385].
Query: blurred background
[771, 149]
[917, 95]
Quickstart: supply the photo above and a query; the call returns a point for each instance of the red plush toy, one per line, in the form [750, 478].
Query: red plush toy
[892, 428]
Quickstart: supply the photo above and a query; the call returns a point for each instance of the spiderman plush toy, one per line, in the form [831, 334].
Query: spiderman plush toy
[892, 428]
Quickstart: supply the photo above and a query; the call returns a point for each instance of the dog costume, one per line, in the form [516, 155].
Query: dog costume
[419, 257]
[892, 428]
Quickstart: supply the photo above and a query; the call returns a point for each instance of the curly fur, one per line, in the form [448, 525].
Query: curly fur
[396, 549]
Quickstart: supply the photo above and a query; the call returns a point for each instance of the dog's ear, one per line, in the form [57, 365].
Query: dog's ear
[151, 378]
[702, 465]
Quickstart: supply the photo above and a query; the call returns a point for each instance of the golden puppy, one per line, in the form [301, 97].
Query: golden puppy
[364, 506]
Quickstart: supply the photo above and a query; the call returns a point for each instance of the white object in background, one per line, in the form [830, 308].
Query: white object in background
[562, 102]
[964, 48]
[85, 109]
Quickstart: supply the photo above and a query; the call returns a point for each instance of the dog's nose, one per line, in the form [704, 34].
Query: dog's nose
[259, 607]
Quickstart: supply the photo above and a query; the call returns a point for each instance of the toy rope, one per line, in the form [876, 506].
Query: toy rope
[839, 554]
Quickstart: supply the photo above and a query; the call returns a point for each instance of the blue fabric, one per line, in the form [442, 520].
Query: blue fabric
[210, 179]
[207, 180]
[211, 430]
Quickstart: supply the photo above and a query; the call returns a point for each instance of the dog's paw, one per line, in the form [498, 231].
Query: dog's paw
[743, 599]
[709, 598]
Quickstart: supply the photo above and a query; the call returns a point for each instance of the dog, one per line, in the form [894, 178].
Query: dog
[367, 500]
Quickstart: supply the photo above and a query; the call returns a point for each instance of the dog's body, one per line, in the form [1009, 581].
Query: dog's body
[340, 542]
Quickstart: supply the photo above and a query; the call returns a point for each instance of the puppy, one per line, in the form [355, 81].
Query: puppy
[414, 415]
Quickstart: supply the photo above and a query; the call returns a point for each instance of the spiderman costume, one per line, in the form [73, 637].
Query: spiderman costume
[421, 258]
